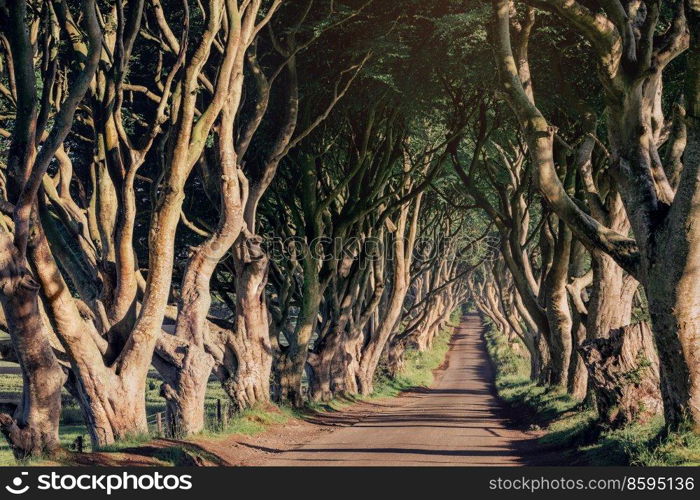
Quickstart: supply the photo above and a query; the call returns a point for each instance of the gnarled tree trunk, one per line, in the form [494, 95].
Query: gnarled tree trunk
[245, 365]
[292, 362]
[33, 429]
[185, 368]
[186, 382]
[624, 373]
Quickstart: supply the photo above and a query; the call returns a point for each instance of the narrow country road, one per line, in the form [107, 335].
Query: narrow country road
[458, 421]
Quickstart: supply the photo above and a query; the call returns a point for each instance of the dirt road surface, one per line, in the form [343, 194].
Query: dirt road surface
[458, 421]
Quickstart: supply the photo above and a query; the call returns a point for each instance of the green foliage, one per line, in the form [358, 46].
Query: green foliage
[635, 376]
[464, 31]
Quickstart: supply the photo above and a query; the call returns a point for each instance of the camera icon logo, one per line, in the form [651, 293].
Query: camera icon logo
[16, 488]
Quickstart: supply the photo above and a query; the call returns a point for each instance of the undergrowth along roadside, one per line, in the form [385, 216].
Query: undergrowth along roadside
[570, 426]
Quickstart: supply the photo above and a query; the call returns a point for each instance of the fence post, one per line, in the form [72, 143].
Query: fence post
[159, 424]
[226, 415]
[79, 443]
[218, 412]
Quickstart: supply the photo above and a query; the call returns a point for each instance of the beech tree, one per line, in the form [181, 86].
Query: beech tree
[34, 427]
[630, 65]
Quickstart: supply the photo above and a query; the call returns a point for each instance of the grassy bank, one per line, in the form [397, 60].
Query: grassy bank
[570, 426]
[417, 372]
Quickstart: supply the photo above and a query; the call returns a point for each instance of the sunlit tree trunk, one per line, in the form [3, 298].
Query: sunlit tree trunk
[33, 429]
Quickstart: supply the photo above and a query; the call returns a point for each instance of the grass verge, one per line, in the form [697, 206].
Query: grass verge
[570, 425]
